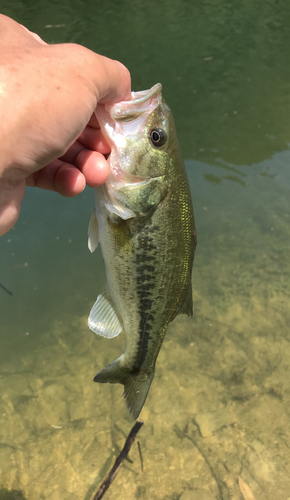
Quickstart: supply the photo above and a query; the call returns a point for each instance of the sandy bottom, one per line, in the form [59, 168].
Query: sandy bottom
[216, 421]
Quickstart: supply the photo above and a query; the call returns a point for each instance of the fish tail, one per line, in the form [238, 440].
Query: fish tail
[136, 386]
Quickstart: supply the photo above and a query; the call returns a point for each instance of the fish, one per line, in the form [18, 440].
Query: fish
[144, 221]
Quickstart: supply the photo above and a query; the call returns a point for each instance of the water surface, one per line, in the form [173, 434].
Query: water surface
[217, 415]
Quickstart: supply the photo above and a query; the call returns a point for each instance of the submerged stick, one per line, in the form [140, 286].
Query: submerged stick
[119, 460]
[6, 289]
[140, 453]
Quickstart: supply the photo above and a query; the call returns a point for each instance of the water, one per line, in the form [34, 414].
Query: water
[217, 415]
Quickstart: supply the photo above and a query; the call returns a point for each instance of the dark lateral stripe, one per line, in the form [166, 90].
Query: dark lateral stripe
[146, 252]
[142, 259]
[145, 267]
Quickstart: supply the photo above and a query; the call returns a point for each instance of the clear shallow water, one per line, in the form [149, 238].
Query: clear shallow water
[217, 415]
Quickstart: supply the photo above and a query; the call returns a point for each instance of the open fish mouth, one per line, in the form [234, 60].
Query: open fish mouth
[124, 120]
[112, 118]
[144, 101]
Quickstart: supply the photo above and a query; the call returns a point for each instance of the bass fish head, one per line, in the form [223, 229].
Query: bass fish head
[141, 135]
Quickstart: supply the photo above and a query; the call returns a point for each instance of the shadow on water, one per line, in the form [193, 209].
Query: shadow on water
[11, 495]
[103, 473]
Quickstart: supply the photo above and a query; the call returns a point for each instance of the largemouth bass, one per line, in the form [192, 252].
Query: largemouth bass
[144, 221]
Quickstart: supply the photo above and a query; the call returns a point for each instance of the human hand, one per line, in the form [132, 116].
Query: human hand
[49, 134]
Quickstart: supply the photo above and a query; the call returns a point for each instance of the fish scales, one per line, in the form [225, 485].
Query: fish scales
[145, 224]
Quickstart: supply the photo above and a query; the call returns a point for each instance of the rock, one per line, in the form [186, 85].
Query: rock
[211, 422]
[197, 495]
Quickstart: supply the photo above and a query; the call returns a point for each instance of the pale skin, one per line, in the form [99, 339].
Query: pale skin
[49, 134]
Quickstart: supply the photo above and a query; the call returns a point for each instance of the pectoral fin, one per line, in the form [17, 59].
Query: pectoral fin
[103, 319]
[93, 233]
[137, 199]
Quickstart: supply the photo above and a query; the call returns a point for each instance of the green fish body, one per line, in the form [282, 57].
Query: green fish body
[144, 222]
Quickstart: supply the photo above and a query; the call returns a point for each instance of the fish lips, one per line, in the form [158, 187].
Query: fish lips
[128, 115]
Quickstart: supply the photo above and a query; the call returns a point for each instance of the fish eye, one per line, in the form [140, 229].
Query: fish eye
[158, 137]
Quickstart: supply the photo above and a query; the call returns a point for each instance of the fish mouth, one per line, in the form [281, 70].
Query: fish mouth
[144, 101]
[126, 119]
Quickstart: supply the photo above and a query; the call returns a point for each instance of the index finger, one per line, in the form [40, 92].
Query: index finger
[113, 81]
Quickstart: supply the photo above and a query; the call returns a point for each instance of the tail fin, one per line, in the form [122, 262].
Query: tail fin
[136, 385]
